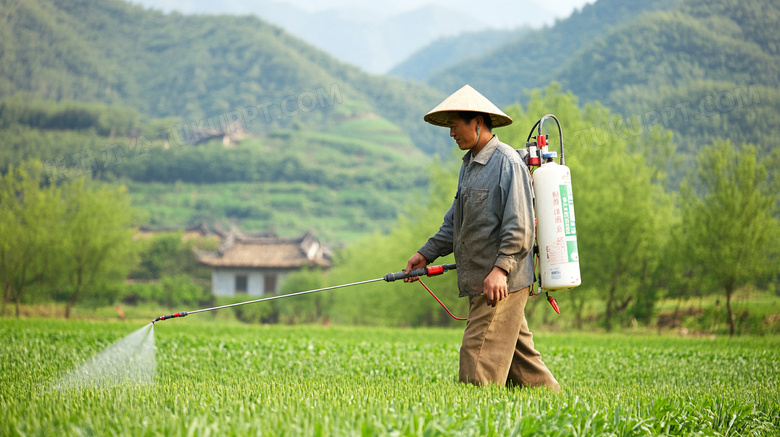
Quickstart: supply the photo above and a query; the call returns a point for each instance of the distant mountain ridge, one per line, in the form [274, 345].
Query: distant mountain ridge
[531, 61]
[190, 67]
[376, 37]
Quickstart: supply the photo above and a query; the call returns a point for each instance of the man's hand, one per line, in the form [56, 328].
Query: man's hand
[494, 286]
[417, 261]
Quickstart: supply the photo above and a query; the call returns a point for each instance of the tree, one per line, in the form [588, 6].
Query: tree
[729, 219]
[97, 246]
[29, 220]
[166, 254]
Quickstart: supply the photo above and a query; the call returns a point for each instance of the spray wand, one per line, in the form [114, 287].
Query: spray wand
[390, 277]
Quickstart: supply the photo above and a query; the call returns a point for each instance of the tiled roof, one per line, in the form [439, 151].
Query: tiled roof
[267, 252]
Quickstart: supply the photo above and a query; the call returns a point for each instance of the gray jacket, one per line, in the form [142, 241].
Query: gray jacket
[490, 222]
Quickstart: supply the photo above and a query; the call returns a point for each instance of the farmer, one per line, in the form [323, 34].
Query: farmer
[490, 228]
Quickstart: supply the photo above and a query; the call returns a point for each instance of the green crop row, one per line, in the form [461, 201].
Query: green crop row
[217, 378]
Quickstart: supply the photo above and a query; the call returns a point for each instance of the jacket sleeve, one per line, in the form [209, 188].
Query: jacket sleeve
[517, 225]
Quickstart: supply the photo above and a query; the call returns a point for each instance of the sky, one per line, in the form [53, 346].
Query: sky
[559, 8]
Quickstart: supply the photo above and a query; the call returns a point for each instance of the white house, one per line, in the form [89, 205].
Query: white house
[257, 265]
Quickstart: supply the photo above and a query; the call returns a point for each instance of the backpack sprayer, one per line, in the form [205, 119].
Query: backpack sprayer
[556, 235]
[390, 277]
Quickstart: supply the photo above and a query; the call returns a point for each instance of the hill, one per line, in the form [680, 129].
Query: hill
[530, 61]
[704, 69]
[189, 66]
[700, 40]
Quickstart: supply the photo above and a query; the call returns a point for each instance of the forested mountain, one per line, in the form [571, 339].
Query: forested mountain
[531, 61]
[724, 40]
[705, 69]
[188, 66]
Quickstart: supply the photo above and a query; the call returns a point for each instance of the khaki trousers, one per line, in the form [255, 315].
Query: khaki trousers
[498, 348]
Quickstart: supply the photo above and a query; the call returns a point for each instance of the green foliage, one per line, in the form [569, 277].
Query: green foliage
[753, 314]
[352, 179]
[613, 44]
[729, 220]
[333, 161]
[755, 21]
[74, 238]
[166, 254]
[33, 111]
[96, 246]
[706, 70]
[228, 379]
[182, 290]
[702, 112]
[170, 291]
[30, 225]
[136, 293]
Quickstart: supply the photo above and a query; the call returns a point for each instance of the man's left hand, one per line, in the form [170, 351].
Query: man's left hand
[495, 287]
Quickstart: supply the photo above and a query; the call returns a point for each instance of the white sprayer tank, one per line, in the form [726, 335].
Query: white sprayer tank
[556, 233]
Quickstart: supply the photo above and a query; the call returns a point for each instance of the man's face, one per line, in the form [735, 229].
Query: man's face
[464, 134]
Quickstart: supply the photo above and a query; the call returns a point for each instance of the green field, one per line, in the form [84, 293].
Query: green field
[222, 378]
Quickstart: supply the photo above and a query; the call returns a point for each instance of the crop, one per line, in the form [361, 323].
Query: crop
[216, 378]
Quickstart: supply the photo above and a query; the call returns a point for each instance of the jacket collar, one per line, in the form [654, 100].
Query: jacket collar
[484, 155]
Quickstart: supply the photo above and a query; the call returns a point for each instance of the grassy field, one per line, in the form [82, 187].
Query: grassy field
[222, 378]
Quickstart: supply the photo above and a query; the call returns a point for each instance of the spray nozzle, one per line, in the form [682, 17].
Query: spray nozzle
[553, 303]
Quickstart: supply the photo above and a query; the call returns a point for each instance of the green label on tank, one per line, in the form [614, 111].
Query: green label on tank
[567, 206]
[571, 248]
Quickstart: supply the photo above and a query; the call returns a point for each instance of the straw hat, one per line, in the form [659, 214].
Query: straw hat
[466, 99]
